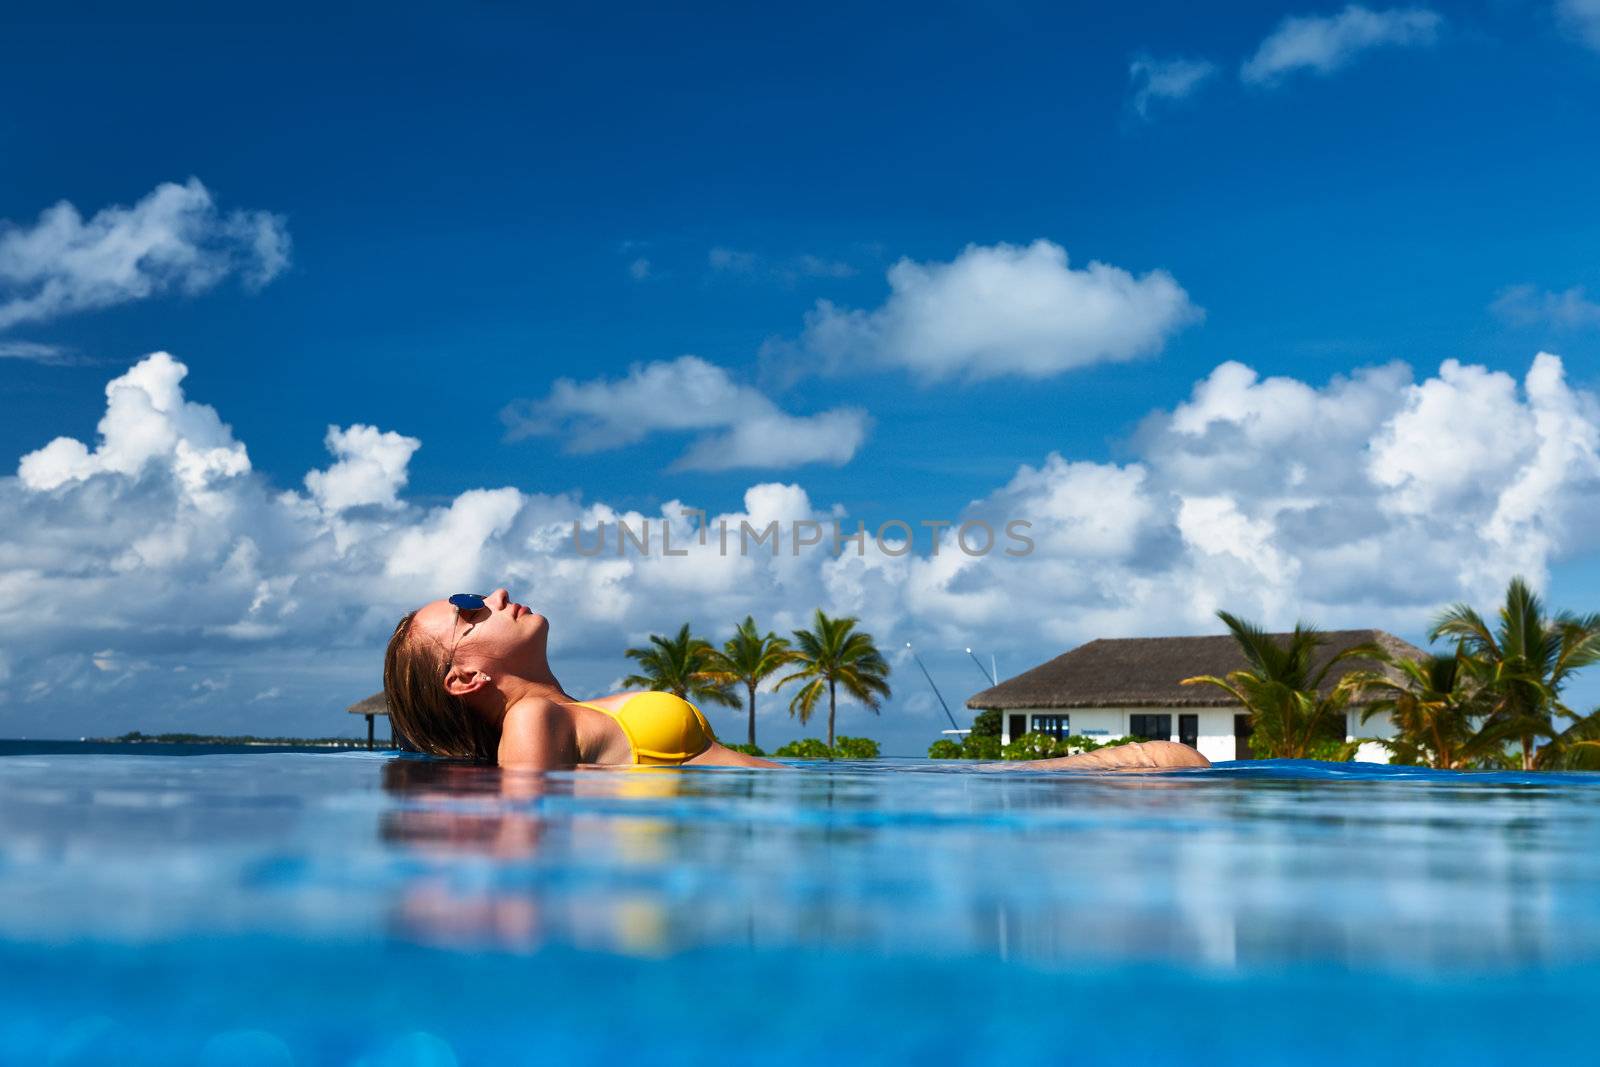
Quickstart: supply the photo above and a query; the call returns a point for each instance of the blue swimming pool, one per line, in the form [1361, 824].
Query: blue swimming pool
[365, 908]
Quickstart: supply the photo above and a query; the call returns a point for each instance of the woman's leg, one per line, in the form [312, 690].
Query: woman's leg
[1138, 756]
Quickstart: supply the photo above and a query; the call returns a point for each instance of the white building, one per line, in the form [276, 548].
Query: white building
[1129, 687]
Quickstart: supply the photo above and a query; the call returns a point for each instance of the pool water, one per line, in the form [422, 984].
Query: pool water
[353, 907]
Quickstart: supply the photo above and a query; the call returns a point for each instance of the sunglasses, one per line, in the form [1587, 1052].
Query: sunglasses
[462, 602]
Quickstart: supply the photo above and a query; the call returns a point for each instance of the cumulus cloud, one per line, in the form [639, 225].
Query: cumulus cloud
[738, 425]
[1527, 305]
[996, 311]
[1323, 44]
[147, 421]
[1153, 80]
[173, 240]
[1581, 19]
[371, 468]
[1367, 500]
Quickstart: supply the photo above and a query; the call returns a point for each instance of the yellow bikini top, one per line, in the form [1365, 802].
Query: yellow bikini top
[662, 729]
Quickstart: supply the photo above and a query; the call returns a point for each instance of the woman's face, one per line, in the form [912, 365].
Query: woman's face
[500, 637]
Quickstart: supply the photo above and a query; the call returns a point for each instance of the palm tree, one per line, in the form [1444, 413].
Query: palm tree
[678, 665]
[1283, 689]
[1442, 714]
[833, 653]
[1577, 748]
[1525, 661]
[749, 656]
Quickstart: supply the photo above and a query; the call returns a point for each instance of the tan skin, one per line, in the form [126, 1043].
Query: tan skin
[499, 667]
[501, 670]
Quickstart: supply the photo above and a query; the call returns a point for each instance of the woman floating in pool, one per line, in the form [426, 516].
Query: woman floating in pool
[469, 677]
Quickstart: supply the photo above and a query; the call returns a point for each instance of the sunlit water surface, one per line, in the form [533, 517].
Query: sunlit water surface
[357, 907]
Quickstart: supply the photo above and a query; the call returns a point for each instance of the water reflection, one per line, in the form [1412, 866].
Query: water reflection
[1205, 869]
[447, 813]
[1222, 869]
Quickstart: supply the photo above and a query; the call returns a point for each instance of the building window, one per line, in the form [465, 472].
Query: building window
[1016, 726]
[1189, 730]
[1057, 726]
[1151, 727]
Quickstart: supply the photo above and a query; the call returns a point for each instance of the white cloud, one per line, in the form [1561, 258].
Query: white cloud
[1152, 80]
[1581, 18]
[36, 352]
[370, 471]
[1323, 44]
[147, 421]
[639, 269]
[1525, 305]
[996, 311]
[739, 426]
[776, 440]
[174, 240]
[1370, 499]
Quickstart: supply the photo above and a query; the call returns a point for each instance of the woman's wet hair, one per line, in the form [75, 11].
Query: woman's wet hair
[430, 719]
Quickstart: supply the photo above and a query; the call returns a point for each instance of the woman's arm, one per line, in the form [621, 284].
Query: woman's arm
[538, 735]
[719, 755]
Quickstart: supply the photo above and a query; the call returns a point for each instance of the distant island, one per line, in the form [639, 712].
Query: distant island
[135, 737]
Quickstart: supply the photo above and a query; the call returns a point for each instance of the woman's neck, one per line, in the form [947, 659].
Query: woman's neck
[514, 691]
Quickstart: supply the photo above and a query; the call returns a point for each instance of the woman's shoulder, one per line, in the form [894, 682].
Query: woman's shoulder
[615, 701]
[537, 731]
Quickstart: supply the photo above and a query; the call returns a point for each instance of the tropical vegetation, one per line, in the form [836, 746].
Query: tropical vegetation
[680, 665]
[1439, 710]
[1522, 664]
[831, 655]
[1294, 712]
[1030, 746]
[1494, 700]
[983, 740]
[843, 748]
[748, 658]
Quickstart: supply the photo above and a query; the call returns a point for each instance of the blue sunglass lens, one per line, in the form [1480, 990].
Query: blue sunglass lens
[467, 601]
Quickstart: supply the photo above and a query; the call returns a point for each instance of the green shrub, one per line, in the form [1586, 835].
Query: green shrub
[987, 723]
[1333, 751]
[1033, 746]
[805, 748]
[980, 746]
[1043, 746]
[748, 749]
[843, 748]
[944, 748]
[855, 748]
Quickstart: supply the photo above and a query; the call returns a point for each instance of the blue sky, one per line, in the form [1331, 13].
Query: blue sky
[476, 203]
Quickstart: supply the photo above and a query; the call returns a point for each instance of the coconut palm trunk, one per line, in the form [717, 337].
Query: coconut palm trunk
[833, 707]
[751, 687]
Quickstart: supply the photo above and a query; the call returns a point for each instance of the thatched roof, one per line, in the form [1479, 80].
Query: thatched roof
[1143, 672]
[373, 705]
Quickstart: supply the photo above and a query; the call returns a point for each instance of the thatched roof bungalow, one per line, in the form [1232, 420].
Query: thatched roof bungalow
[1129, 686]
[372, 707]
